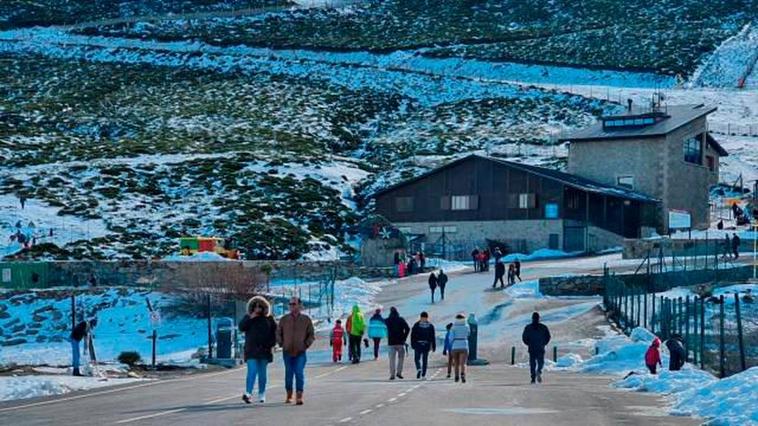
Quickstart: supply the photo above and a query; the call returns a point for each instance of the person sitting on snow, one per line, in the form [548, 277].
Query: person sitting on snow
[677, 353]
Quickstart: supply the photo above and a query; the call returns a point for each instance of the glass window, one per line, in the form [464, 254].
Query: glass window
[625, 181]
[527, 201]
[692, 150]
[404, 204]
[464, 202]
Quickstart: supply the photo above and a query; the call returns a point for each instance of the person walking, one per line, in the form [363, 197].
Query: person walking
[423, 340]
[459, 334]
[447, 349]
[397, 333]
[356, 326]
[377, 330]
[735, 246]
[517, 270]
[422, 261]
[497, 254]
[441, 283]
[260, 338]
[536, 336]
[677, 353]
[432, 283]
[653, 356]
[337, 340]
[499, 273]
[295, 335]
[80, 332]
[727, 247]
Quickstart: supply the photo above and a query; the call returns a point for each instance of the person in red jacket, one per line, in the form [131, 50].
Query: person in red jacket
[337, 340]
[653, 356]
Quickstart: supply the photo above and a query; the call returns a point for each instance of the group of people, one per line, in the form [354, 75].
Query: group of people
[732, 246]
[514, 271]
[481, 259]
[409, 265]
[677, 354]
[438, 280]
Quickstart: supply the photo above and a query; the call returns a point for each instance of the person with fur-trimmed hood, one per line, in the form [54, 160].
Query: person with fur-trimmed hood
[260, 338]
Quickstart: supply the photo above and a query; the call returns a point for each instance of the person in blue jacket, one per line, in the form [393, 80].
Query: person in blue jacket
[377, 330]
[446, 350]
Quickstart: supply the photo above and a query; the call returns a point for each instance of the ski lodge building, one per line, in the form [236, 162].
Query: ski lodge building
[624, 175]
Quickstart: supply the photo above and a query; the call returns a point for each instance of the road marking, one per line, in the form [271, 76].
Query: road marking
[109, 391]
[346, 419]
[150, 416]
[365, 411]
[379, 405]
[392, 400]
[330, 372]
[402, 394]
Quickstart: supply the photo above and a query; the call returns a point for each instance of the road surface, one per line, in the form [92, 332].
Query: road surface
[355, 394]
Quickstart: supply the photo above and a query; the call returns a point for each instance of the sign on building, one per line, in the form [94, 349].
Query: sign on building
[679, 219]
[551, 211]
[6, 275]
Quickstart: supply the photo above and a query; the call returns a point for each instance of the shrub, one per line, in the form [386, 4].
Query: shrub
[129, 358]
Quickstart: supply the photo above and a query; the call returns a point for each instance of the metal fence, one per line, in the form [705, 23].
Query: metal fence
[720, 333]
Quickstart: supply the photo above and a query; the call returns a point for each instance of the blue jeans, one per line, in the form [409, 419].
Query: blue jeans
[294, 367]
[75, 353]
[256, 367]
[421, 358]
[536, 362]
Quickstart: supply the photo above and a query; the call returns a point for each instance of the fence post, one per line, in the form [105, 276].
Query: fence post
[695, 345]
[513, 355]
[679, 321]
[632, 296]
[208, 312]
[644, 314]
[652, 316]
[640, 292]
[155, 339]
[702, 333]
[555, 353]
[722, 349]
[626, 307]
[687, 329]
[741, 343]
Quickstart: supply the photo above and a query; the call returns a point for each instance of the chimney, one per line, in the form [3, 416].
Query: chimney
[629, 104]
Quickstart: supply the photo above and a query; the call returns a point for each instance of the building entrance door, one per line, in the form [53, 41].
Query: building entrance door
[574, 234]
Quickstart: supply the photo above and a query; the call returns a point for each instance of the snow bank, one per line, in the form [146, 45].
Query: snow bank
[525, 290]
[12, 388]
[730, 62]
[540, 254]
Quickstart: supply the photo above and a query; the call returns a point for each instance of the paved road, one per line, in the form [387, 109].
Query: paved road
[495, 394]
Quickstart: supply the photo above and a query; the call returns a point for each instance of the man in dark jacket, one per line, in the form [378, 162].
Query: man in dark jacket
[432, 284]
[260, 338]
[441, 283]
[735, 246]
[475, 257]
[397, 333]
[423, 339]
[79, 333]
[677, 353]
[499, 273]
[536, 336]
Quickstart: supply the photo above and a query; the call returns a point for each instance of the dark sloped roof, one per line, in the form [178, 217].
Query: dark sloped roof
[710, 140]
[565, 178]
[678, 116]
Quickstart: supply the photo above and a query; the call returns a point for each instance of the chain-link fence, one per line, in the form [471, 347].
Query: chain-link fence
[720, 333]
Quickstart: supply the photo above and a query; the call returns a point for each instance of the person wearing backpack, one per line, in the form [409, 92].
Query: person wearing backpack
[356, 326]
[377, 330]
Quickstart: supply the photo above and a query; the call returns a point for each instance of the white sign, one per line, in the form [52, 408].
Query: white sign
[155, 319]
[679, 219]
[6, 275]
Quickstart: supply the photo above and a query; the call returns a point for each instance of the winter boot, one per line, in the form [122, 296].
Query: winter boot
[400, 376]
[457, 378]
[392, 377]
[246, 398]
[539, 377]
[418, 374]
[463, 378]
[299, 398]
[261, 397]
[289, 397]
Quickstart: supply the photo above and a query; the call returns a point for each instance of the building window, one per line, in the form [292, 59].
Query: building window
[527, 201]
[573, 200]
[439, 229]
[711, 163]
[625, 181]
[403, 204]
[692, 150]
[464, 202]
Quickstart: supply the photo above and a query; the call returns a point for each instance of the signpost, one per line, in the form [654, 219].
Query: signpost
[679, 219]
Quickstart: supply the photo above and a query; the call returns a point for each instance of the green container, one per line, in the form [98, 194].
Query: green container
[189, 242]
[24, 275]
